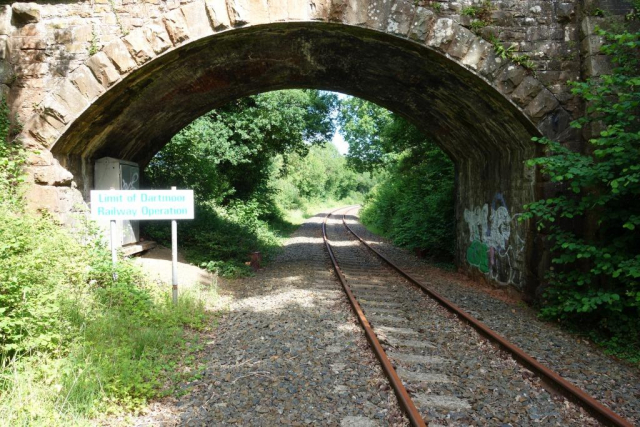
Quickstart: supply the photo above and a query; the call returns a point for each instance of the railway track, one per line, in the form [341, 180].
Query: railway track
[419, 348]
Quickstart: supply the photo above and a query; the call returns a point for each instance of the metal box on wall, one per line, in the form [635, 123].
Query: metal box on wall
[119, 175]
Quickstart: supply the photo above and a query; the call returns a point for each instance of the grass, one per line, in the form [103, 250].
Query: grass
[76, 345]
[114, 366]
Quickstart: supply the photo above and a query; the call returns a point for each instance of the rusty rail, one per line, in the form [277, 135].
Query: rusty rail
[401, 393]
[568, 390]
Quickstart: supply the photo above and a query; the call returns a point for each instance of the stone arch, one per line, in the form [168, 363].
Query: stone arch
[130, 98]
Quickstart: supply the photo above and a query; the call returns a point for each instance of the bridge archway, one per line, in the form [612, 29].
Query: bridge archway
[130, 99]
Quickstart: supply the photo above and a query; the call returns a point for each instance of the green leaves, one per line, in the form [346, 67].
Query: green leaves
[595, 283]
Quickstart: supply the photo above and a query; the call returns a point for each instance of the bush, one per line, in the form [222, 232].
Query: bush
[413, 205]
[594, 284]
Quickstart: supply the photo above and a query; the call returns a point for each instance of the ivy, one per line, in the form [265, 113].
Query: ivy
[595, 278]
[12, 156]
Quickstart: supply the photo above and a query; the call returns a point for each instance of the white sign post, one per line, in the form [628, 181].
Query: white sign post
[171, 204]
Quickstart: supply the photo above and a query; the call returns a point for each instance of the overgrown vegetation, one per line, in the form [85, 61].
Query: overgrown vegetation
[595, 280]
[75, 344]
[413, 204]
[252, 163]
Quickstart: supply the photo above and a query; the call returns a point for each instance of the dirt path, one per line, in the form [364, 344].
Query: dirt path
[156, 263]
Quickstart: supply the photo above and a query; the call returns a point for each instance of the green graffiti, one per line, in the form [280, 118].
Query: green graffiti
[478, 256]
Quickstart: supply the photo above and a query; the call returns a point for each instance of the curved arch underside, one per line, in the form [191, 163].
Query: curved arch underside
[139, 115]
[487, 135]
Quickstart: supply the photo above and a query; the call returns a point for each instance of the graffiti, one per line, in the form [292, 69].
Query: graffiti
[477, 256]
[495, 248]
[131, 185]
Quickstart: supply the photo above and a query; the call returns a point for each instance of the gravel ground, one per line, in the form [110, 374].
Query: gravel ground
[614, 383]
[454, 376]
[287, 352]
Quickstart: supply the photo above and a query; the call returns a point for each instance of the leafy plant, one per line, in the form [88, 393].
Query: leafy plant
[595, 282]
[12, 156]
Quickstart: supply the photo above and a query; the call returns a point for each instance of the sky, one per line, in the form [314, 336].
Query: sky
[339, 142]
[338, 139]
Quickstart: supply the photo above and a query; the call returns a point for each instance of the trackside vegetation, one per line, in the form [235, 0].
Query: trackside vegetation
[594, 283]
[75, 344]
[258, 167]
[413, 202]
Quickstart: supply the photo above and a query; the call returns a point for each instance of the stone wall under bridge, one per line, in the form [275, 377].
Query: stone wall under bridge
[119, 78]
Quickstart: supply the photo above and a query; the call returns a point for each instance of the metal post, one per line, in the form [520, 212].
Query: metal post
[174, 258]
[114, 254]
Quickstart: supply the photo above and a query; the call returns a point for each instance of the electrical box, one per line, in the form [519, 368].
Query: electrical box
[120, 175]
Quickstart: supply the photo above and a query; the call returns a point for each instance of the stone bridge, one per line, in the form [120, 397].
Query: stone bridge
[119, 78]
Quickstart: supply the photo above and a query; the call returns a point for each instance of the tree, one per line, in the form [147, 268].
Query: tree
[226, 153]
[413, 205]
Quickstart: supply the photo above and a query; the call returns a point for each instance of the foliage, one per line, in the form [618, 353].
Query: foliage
[11, 156]
[320, 175]
[375, 135]
[249, 163]
[84, 343]
[226, 154]
[76, 344]
[509, 54]
[596, 279]
[413, 203]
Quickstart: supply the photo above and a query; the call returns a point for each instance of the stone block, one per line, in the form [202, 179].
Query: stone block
[158, 37]
[421, 25]
[176, 26]
[297, 10]
[103, 70]
[399, 22]
[66, 102]
[119, 54]
[442, 33]
[542, 104]
[238, 13]
[218, 15]
[510, 77]
[461, 42]
[597, 65]
[319, 10]
[44, 129]
[480, 49]
[4, 47]
[502, 18]
[289, 10]
[556, 124]
[7, 75]
[54, 175]
[195, 15]
[63, 202]
[139, 46]
[565, 12]
[40, 158]
[244, 12]
[526, 91]
[86, 83]
[5, 20]
[25, 13]
[591, 44]
[492, 65]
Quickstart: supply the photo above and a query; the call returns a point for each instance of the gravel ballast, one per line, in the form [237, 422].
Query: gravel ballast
[454, 376]
[288, 351]
[615, 383]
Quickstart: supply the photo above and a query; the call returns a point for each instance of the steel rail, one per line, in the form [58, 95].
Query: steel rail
[400, 391]
[567, 389]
